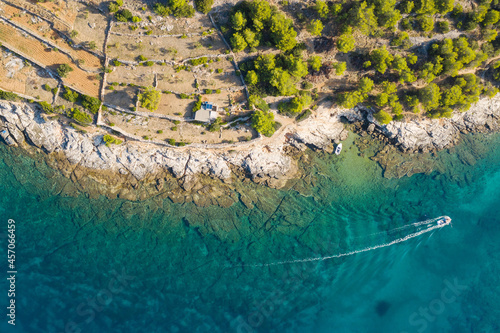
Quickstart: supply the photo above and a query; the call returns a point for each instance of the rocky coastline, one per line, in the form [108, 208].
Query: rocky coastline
[181, 173]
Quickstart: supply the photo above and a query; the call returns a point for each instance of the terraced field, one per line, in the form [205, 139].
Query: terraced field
[39, 53]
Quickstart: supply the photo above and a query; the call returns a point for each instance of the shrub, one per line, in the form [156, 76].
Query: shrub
[197, 105]
[46, 107]
[63, 70]
[123, 15]
[113, 7]
[198, 61]
[79, 116]
[215, 126]
[70, 95]
[171, 142]
[159, 131]
[150, 99]
[303, 115]
[383, 117]
[91, 103]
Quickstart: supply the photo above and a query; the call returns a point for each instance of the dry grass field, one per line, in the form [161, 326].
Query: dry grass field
[181, 82]
[172, 105]
[210, 78]
[129, 48]
[90, 24]
[138, 75]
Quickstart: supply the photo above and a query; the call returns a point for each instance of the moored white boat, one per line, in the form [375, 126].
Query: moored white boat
[338, 149]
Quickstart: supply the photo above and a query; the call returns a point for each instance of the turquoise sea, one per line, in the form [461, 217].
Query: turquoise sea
[100, 265]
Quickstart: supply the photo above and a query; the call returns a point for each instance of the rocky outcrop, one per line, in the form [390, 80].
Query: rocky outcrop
[430, 134]
[326, 126]
[267, 161]
[19, 122]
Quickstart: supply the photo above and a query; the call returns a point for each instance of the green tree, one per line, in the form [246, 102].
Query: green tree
[70, 95]
[297, 67]
[480, 14]
[345, 43]
[444, 6]
[407, 7]
[381, 59]
[340, 68]
[238, 21]
[251, 78]
[351, 99]
[123, 15]
[296, 104]
[282, 81]
[150, 98]
[321, 8]
[363, 18]
[491, 17]
[365, 85]
[489, 35]
[265, 65]
[263, 122]
[381, 99]
[91, 103]
[63, 70]
[238, 42]
[204, 6]
[383, 117]
[251, 38]
[260, 12]
[258, 103]
[426, 23]
[426, 7]
[430, 96]
[315, 27]
[113, 7]
[452, 96]
[282, 32]
[315, 62]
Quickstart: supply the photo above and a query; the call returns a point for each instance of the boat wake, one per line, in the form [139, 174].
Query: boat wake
[416, 229]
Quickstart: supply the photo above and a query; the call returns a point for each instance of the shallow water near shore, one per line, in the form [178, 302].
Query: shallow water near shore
[100, 265]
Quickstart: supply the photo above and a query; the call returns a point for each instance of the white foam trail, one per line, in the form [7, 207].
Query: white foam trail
[430, 224]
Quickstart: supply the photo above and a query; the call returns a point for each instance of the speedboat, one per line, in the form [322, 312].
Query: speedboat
[444, 220]
[338, 149]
